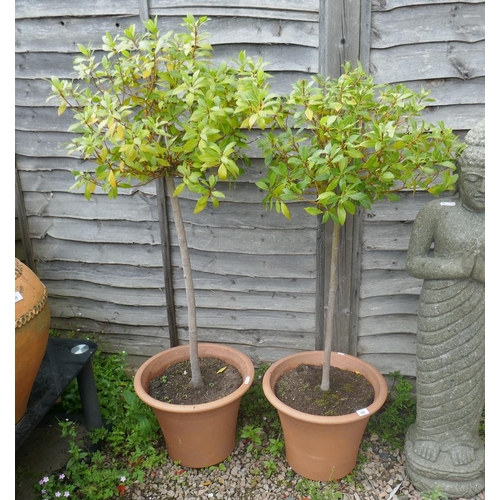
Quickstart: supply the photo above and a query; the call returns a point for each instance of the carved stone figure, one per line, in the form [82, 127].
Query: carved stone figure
[447, 250]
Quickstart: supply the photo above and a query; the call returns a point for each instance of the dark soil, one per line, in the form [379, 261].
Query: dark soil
[220, 380]
[300, 389]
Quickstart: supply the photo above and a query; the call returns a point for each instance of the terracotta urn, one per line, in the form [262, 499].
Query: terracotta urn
[32, 332]
[318, 447]
[196, 435]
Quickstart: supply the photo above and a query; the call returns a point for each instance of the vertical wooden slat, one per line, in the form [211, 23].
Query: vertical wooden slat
[23, 224]
[339, 31]
[356, 249]
[343, 37]
[320, 284]
[365, 33]
[161, 197]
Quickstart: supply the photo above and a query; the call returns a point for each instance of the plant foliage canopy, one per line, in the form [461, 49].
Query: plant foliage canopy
[156, 105]
[345, 142]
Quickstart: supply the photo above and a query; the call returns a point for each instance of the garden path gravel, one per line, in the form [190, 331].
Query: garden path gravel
[382, 476]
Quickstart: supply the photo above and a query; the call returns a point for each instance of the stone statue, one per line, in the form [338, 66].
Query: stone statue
[447, 250]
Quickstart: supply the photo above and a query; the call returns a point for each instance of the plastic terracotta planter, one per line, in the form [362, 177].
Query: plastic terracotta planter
[317, 447]
[196, 435]
[32, 333]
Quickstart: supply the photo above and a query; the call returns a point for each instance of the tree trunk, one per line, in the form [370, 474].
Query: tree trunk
[196, 379]
[330, 309]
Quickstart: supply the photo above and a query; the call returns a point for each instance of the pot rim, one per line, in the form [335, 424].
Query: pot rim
[337, 358]
[206, 350]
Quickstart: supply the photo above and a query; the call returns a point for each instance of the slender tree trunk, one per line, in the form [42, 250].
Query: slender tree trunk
[332, 295]
[196, 379]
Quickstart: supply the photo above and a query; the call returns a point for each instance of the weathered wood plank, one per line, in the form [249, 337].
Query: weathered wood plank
[53, 144]
[206, 318]
[288, 266]
[159, 334]
[26, 9]
[384, 305]
[388, 363]
[386, 236]
[285, 5]
[452, 91]
[387, 5]
[141, 207]
[445, 91]
[214, 299]
[427, 61]
[388, 344]
[45, 119]
[388, 259]
[62, 35]
[460, 117]
[404, 210]
[280, 58]
[245, 12]
[134, 277]
[51, 175]
[201, 237]
[397, 323]
[143, 346]
[52, 8]
[388, 282]
[428, 23]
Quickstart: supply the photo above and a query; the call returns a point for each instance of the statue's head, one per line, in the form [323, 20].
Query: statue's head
[470, 166]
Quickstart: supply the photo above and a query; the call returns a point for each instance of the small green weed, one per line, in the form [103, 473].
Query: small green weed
[275, 447]
[131, 433]
[270, 467]
[315, 490]
[435, 494]
[397, 414]
[253, 436]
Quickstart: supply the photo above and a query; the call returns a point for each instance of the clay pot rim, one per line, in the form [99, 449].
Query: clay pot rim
[337, 359]
[206, 350]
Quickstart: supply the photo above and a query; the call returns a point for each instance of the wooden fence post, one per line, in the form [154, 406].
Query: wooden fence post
[161, 197]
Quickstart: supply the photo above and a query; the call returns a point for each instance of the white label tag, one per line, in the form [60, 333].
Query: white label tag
[247, 380]
[447, 203]
[18, 297]
[363, 412]
[341, 353]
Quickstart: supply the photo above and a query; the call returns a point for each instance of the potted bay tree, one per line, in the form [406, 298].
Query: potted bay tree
[156, 105]
[339, 144]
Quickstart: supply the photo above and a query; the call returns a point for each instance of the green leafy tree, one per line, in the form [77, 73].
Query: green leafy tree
[155, 105]
[337, 144]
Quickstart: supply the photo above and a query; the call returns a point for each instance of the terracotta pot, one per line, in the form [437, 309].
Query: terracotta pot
[197, 435]
[317, 447]
[32, 332]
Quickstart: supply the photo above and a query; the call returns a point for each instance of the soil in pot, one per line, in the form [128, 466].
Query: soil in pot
[300, 389]
[172, 386]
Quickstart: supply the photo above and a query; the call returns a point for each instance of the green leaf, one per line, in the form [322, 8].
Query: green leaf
[341, 213]
[354, 153]
[284, 210]
[179, 189]
[313, 211]
[201, 204]
[62, 108]
[129, 397]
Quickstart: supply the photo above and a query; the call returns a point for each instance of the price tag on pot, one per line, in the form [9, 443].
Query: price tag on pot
[18, 297]
[362, 412]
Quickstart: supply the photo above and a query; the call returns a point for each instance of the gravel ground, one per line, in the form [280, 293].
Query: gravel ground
[381, 477]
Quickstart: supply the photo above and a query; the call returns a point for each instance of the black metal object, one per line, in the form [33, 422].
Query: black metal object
[64, 360]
